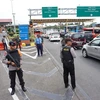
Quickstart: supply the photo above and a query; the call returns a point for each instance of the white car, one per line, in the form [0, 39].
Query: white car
[92, 49]
[54, 37]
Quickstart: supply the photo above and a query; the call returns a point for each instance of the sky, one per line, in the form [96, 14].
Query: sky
[20, 7]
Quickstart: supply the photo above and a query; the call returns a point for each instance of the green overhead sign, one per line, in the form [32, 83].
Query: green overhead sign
[88, 11]
[49, 12]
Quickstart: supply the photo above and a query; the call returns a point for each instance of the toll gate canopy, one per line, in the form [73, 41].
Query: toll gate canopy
[60, 20]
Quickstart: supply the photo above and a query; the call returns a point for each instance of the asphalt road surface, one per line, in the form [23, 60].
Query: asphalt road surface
[43, 76]
[87, 73]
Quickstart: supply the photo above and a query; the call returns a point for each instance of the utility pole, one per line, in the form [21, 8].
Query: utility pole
[13, 14]
[30, 14]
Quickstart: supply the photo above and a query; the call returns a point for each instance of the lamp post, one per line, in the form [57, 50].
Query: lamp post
[13, 14]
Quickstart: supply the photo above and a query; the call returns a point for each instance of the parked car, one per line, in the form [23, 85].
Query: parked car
[92, 49]
[54, 37]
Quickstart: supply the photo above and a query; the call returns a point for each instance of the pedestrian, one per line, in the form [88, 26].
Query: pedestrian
[12, 59]
[67, 57]
[18, 43]
[4, 42]
[39, 45]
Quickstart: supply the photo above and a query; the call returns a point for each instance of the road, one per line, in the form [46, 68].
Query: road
[87, 73]
[43, 76]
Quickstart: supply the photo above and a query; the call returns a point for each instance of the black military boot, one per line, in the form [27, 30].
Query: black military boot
[24, 89]
[13, 91]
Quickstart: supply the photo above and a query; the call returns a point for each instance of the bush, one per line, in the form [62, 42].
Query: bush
[15, 35]
[32, 38]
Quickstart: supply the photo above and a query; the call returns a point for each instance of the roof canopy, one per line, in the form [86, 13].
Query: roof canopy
[5, 21]
[60, 20]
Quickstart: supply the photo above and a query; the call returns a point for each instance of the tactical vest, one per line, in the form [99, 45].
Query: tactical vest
[14, 57]
[66, 54]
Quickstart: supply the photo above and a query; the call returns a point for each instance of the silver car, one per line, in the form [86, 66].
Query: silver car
[92, 49]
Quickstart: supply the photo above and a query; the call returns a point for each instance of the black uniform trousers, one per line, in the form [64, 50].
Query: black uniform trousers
[39, 49]
[69, 69]
[12, 76]
[18, 45]
[5, 46]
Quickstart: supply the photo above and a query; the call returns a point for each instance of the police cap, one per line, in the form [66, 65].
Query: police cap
[11, 43]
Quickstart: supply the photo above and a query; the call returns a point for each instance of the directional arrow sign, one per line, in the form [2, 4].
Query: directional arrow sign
[49, 12]
[88, 11]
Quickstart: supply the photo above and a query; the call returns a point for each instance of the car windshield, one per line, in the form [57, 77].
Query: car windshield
[88, 32]
[55, 34]
[77, 36]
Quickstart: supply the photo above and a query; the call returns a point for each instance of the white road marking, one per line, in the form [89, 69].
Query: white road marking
[13, 96]
[45, 61]
[56, 43]
[30, 56]
[29, 49]
[49, 74]
[31, 52]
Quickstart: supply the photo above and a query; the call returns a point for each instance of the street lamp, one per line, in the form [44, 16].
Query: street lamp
[13, 14]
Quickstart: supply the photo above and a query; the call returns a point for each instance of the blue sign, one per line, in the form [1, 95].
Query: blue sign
[24, 32]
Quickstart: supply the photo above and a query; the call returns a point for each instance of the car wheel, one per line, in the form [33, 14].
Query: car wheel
[84, 53]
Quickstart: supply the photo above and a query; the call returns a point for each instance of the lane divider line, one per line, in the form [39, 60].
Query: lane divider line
[13, 96]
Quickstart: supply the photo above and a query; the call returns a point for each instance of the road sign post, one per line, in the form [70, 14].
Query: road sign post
[88, 11]
[49, 12]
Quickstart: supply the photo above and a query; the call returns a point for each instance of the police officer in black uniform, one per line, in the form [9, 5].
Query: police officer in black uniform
[67, 57]
[13, 57]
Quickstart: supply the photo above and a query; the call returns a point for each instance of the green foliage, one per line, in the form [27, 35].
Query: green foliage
[17, 30]
[15, 35]
[32, 38]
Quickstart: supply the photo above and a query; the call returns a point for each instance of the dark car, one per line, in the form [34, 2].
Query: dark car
[78, 40]
[62, 34]
[88, 36]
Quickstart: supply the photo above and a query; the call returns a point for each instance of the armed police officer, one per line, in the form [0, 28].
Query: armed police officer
[12, 59]
[67, 57]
